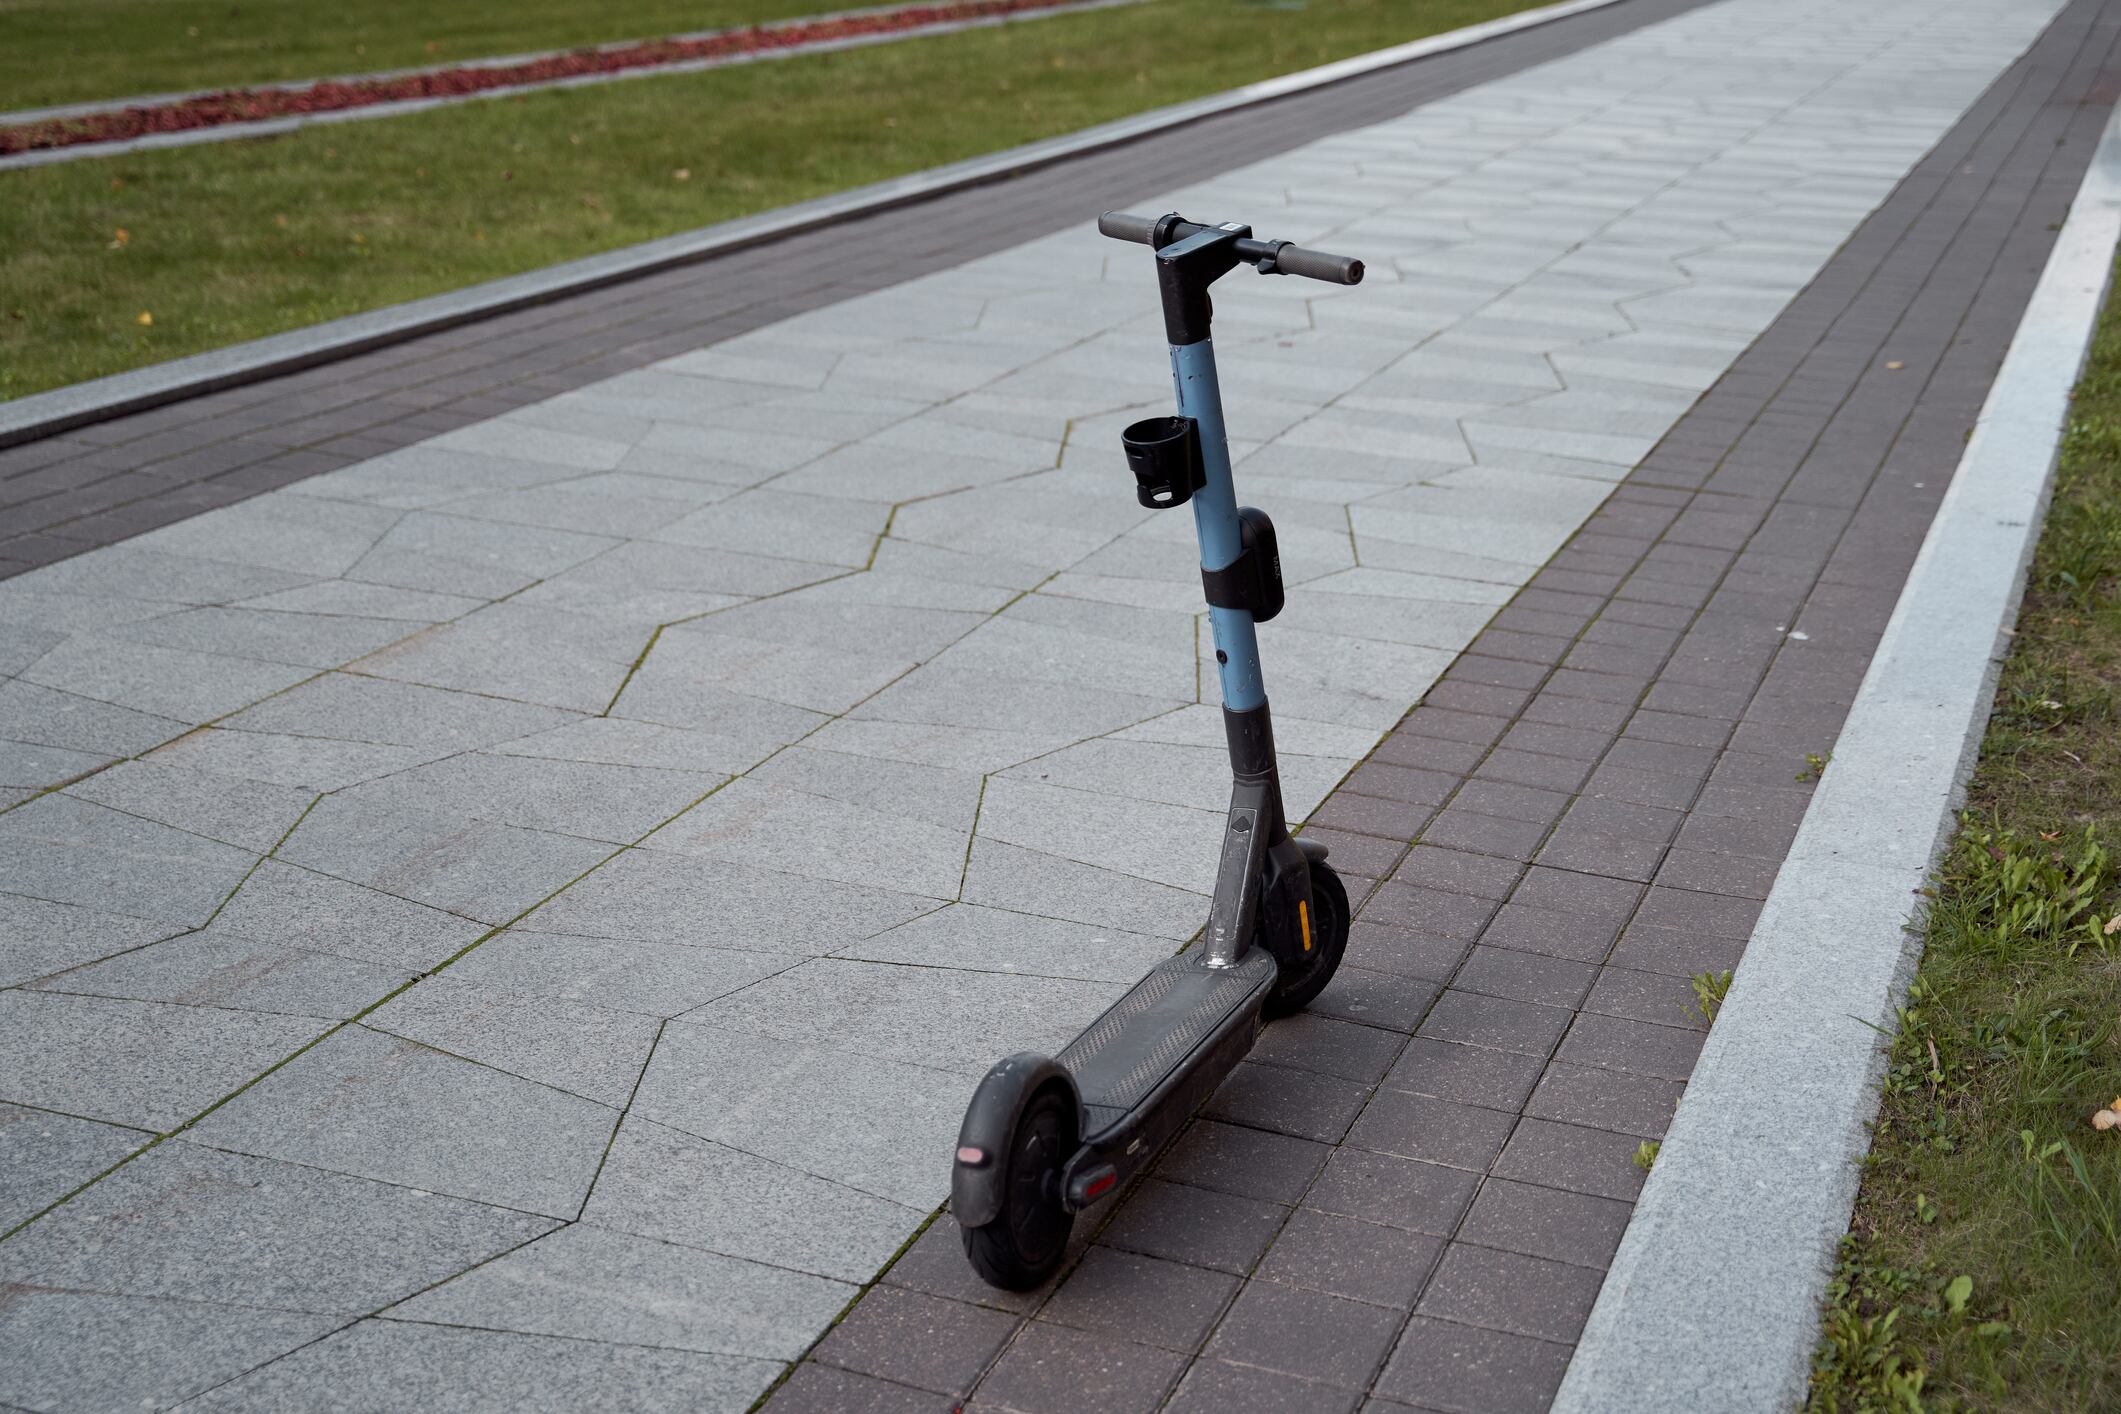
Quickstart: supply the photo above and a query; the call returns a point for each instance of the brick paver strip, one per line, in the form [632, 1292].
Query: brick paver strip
[98, 485]
[1583, 813]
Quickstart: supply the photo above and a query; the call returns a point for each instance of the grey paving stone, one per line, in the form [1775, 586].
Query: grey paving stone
[283, 636]
[652, 979]
[39, 937]
[30, 768]
[651, 896]
[1575, 1157]
[882, 1126]
[1465, 1074]
[70, 851]
[663, 1183]
[816, 837]
[588, 1283]
[369, 1105]
[351, 708]
[45, 1156]
[927, 1016]
[1003, 876]
[482, 870]
[218, 967]
[250, 815]
[592, 1051]
[286, 905]
[135, 1063]
[969, 937]
[193, 1224]
[164, 682]
[397, 1365]
[74, 1350]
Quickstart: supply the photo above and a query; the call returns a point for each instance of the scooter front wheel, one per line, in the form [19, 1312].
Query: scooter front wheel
[1304, 978]
[1026, 1240]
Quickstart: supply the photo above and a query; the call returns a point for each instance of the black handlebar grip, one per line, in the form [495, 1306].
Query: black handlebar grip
[1122, 227]
[1317, 265]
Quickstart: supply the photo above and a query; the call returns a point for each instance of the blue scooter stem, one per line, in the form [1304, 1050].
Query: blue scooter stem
[1215, 522]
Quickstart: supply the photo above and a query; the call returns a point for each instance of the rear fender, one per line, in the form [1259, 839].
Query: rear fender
[990, 1121]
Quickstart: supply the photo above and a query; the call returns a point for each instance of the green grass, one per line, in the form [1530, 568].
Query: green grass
[230, 241]
[76, 51]
[1982, 1267]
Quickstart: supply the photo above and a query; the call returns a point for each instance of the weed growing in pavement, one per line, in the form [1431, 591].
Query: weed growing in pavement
[1645, 1155]
[1814, 765]
[1710, 988]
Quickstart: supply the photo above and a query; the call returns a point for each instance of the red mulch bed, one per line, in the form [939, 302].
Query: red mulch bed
[251, 105]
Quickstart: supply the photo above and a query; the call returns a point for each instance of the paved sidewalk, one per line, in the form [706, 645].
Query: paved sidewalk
[742, 753]
[1412, 1197]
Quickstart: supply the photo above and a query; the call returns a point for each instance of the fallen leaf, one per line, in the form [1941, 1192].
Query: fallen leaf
[120, 238]
[1895, 364]
[2112, 924]
[2105, 1119]
[280, 221]
[682, 174]
[1956, 1292]
[145, 318]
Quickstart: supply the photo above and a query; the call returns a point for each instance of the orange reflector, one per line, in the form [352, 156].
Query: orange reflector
[970, 1155]
[1303, 916]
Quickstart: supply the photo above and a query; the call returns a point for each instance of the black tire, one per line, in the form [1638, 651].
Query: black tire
[1024, 1244]
[1300, 983]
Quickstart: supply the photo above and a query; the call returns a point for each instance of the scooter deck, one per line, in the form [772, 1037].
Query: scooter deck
[1131, 1053]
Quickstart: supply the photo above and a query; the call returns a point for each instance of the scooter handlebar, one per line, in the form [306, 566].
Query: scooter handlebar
[1272, 257]
[1317, 265]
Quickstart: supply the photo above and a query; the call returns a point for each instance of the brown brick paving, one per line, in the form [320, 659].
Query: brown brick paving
[1407, 1198]
[96, 485]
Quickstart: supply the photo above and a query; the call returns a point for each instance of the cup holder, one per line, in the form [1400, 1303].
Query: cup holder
[1164, 454]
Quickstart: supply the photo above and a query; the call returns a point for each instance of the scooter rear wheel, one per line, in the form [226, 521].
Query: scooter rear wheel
[1301, 983]
[1026, 1241]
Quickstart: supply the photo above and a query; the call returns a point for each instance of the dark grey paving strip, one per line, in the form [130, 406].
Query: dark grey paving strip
[104, 483]
[1407, 1198]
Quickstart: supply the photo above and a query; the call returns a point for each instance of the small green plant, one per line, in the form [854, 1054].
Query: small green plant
[1814, 765]
[1646, 1153]
[1710, 988]
[2030, 895]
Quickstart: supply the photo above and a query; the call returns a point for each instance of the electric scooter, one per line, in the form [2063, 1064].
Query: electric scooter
[1048, 1137]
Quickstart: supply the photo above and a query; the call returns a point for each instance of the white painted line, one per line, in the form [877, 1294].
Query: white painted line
[43, 414]
[1713, 1300]
[267, 127]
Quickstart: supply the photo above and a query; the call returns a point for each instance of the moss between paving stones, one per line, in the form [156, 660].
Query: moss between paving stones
[1986, 1248]
[231, 241]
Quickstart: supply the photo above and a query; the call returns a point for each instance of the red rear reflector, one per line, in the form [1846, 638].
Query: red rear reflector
[1100, 1185]
[970, 1155]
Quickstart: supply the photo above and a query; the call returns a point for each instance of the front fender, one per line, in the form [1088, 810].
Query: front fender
[990, 1122]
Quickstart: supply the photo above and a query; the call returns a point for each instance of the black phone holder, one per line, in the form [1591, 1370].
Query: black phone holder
[1164, 454]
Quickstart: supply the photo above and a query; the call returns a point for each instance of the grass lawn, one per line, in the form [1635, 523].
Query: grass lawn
[75, 51]
[230, 241]
[1984, 1263]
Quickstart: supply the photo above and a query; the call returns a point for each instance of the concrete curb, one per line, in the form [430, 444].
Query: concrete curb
[44, 414]
[1712, 1301]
